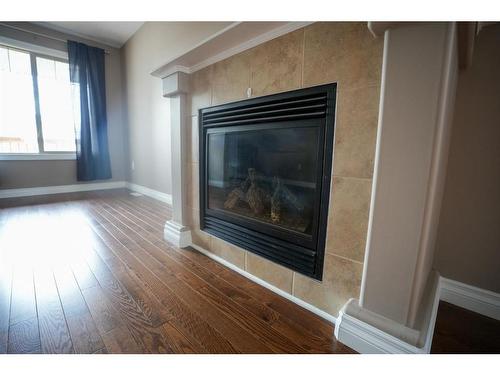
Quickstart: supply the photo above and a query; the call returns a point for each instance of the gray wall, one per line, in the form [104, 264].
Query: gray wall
[148, 113]
[22, 174]
[468, 244]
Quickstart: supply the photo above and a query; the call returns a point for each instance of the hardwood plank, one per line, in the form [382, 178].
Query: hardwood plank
[5, 277]
[460, 331]
[23, 305]
[187, 302]
[156, 228]
[314, 340]
[278, 342]
[265, 314]
[299, 315]
[190, 323]
[212, 342]
[4, 338]
[83, 331]
[54, 333]
[124, 290]
[185, 319]
[5, 294]
[69, 292]
[104, 314]
[138, 321]
[134, 218]
[120, 341]
[84, 334]
[24, 337]
[324, 329]
[313, 344]
[308, 341]
[101, 351]
[130, 212]
[153, 213]
[84, 276]
[179, 343]
[114, 332]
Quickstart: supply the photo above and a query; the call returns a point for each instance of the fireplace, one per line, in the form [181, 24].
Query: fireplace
[265, 171]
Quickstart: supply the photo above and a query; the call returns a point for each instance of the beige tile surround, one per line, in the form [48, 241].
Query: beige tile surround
[320, 53]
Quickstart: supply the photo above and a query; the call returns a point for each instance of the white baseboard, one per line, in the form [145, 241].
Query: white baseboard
[46, 190]
[265, 284]
[366, 339]
[163, 197]
[177, 234]
[469, 297]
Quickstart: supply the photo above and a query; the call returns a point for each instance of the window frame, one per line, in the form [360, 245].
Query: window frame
[36, 51]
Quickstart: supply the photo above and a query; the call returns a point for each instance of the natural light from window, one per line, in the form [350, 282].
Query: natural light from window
[17, 105]
[20, 92]
[56, 107]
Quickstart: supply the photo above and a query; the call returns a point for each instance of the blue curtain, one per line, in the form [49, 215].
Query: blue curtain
[86, 67]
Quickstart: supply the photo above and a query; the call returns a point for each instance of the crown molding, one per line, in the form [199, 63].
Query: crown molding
[234, 39]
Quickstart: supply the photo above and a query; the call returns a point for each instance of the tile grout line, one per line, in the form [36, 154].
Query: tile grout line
[345, 258]
[351, 177]
[303, 57]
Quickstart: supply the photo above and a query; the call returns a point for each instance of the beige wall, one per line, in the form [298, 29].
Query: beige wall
[147, 111]
[22, 174]
[468, 244]
[320, 53]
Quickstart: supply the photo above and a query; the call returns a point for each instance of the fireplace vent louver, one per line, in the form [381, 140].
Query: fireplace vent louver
[252, 162]
[304, 108]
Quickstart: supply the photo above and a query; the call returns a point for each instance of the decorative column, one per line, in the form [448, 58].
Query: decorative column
[400, 291]
[175, 87]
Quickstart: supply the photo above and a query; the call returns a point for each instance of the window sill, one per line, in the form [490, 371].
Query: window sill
[44, 156]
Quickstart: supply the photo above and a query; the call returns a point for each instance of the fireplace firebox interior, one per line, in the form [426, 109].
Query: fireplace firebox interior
[265, 175]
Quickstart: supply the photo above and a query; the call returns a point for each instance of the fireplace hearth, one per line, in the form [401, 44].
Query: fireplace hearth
[265, 174]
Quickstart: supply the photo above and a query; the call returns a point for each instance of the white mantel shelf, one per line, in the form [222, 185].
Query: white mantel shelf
[234, 39]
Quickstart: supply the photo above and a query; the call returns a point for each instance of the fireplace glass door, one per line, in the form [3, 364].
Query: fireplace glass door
[267, 174]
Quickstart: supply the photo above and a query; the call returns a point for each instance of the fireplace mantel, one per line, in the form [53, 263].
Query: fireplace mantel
[230, 41]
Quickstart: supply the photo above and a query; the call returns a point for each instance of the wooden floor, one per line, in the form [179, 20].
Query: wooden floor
[464, 332]
[90, 273]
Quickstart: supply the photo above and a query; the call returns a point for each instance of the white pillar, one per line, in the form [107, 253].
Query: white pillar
[399, 288]
[175, 87]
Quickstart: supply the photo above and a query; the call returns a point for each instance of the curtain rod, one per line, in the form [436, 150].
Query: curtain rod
[41, 34]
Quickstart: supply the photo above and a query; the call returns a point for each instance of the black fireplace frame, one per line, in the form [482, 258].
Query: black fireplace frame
[314, 106]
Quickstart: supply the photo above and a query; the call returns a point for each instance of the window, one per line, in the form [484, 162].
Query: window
[39, 107]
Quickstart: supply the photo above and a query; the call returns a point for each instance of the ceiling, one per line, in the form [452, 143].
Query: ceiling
[114, 34]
